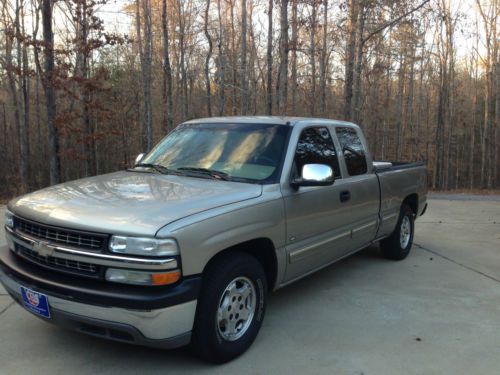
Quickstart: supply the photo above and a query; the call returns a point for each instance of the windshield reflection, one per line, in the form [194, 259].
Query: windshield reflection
[245, 152]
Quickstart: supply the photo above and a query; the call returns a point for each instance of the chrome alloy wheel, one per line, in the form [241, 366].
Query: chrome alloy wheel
[236, 308]
[405, 232]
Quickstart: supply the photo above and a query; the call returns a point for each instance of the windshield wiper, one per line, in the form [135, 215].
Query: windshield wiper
[219, 175]
[157, 167]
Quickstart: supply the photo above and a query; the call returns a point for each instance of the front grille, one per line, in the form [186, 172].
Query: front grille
[84, 240]
[59, 264]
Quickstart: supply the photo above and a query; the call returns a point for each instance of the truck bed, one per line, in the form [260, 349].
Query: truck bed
[397, 180]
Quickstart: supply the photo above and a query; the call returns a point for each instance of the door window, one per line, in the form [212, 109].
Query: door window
[315, 146]
[353, 150]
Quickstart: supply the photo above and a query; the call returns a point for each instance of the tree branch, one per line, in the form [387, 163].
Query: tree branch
[392, 22]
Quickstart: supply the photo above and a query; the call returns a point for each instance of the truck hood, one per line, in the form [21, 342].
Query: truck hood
[130, 203]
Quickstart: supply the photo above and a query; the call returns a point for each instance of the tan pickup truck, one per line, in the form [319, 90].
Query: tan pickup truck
[184, 247]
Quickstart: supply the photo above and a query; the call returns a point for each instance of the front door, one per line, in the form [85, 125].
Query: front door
[318, 221]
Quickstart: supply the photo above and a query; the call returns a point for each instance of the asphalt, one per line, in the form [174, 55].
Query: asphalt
[437, 312]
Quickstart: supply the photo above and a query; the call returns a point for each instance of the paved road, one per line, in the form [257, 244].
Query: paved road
[437, 312]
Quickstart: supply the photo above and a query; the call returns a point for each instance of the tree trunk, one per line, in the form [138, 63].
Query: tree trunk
[233, 59]
[243, 59]
[50, 95]
[312, 59]
[182, 52]
[323, 62]
[269, 87]
[89, 140]
[222, 63]
[350, 55]
[168, 103]
[295, 85]
[146, 74]
[253, 66]
[145, 58]
[282, 88]
[356, 103]
[400, 109]
[16, 102]
[25, 89]
[207, 61]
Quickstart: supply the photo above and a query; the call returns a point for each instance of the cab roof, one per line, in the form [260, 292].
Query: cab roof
[278, 120]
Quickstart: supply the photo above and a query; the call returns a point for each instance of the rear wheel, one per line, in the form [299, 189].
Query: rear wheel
[230, 308]
[398, 245]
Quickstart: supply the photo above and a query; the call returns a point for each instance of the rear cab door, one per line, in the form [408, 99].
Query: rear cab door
[360, 184]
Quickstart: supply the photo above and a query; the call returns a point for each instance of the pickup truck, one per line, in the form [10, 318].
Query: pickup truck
[184, 247]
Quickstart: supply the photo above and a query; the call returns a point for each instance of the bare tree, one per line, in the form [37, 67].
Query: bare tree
[243, 59]
[390, 66]
[294, 55]
[222, 62]
[282, 80]
[349, 60]
[145, 52]
[269, 87]
[49, 79]
[168, 103]
[323, 63]
[312, 57]
[207, 60]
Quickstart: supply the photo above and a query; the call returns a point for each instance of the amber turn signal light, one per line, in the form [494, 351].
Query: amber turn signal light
[165, 278]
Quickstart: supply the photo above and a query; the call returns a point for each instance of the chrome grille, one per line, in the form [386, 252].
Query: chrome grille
[84, 240]
[60, 264]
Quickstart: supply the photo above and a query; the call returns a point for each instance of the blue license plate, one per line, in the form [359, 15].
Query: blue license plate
[35, 302]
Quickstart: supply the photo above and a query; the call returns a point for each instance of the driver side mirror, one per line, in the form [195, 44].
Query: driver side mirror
[314, 175]
[139, 158]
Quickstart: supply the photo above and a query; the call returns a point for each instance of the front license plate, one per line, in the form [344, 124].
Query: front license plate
[35, 302]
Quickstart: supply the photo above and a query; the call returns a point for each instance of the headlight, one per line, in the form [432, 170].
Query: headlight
[9, 219]
[143, 246]
[142, 278]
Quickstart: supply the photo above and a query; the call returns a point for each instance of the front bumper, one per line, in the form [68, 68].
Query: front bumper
[151, 316]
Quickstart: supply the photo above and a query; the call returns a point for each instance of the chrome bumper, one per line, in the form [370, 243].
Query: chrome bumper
[168, 327]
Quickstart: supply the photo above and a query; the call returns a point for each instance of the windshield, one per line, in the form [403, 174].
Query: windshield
[241, 152]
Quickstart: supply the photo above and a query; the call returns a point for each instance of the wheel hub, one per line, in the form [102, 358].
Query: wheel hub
[405, 232]
[236, 308]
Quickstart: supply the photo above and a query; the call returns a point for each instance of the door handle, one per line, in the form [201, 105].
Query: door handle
[345, 195]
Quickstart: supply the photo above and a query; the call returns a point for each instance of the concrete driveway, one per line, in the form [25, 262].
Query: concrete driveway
[437, 312]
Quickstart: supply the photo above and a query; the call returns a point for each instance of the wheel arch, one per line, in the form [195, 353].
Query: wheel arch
[262, 249]
[412, 201]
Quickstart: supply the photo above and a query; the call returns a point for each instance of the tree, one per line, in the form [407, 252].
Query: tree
[282, 80]
[243, 59]
[168, 103]
[145, 45]
[323, 66]
[269, 87]
[75, 100]
[49, 80]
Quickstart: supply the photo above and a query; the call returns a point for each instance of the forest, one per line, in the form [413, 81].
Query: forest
[86, 85]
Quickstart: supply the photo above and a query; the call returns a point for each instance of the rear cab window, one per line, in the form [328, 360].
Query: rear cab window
[353, 150]
[315, 146]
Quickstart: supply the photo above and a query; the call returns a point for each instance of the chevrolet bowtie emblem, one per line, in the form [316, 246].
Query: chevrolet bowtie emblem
[43, 249]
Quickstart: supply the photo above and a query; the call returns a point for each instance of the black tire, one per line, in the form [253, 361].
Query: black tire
[392, 246]
[208, 340]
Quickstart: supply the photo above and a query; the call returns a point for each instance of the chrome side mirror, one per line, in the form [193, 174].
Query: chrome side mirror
[314, 175]
[139, 158]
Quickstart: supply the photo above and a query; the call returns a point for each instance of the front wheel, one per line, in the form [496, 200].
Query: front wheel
[398, 245]
[230, 308]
